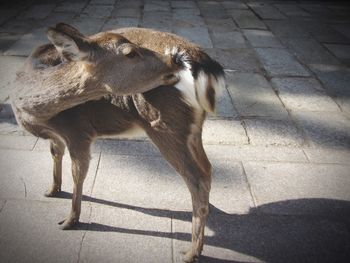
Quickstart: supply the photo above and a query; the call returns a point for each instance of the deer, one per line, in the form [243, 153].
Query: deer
[171, 114]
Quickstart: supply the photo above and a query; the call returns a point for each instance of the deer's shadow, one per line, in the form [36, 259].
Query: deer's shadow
[302, 230]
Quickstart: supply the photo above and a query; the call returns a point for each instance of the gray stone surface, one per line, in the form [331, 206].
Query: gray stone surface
[335, 79]
[75, 7]
[97, 11]
[255, 153]
[185, 20]
[228, 40]
[33, 176]
[261, 38]
[303, 94]
[325, 129]
[37, 11]
[120, 179]
[286, 29]
[236, 59]
[120, 23]
[29, 233]
[291, 10]
[199, 35]
[122, 233]
[17, 142]
[7, 40]
[159, 20]
[127, 12]
[25, 45]
[336, 156]
[276, 182]
[273, 132]
[220, 25]
[18, 26]
[102, 2]
[224, 132]
[280, 62]
[309, 51]
[343, 29]
[234, 5]
[8, 68]
[2, 204]
[266, 11]
[340, 51]
[132, 148]
[246, 19]
[88, 25]
[7, 13]
[224, 107]
[253, 96]
[183, 4]
[157, 6]
[266, 238]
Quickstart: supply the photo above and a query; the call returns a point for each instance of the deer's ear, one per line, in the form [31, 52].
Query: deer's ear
[71, 48]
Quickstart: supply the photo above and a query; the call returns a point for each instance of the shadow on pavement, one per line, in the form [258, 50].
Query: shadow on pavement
[302, 230]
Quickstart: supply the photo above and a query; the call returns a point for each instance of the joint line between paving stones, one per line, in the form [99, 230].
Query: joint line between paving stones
[245, 130]
[172, 238]
[25, 187]
[36, 142]
[2, 208]
[249, 186]
[97, 167]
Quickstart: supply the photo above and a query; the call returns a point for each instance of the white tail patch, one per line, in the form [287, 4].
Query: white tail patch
[201, 92]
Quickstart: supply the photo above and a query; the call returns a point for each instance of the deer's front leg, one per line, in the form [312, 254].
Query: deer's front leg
[57, 150]
[80, 165]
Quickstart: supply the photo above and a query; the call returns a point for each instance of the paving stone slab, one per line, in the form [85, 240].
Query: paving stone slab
[26, 44]
[157, 6]
[88, 25]
[17, 142]
[185, 13]
[187, 20]
[217, 12]
[303, 94]
[340, 51]
[129, 147]
[273, 132]
[33, 176]
[255, 153]
[115, 23]
[102, 2]
[126, 12]
[8, 13]
[183, 4]
[325, 129]
[246, 19]
[224, 107]
[264, 238]
[7, 40]
[291, 10]
[9, 126]
[199, 35]
[310, 51]
[335, 78]
[8, 68]
[301, 189]
[234, 5]
[120, 179]
[337, 156]
[343, 29]
[321, 31]
[157, 20]
[228, 40]
[224, 132]
[122, 233]
[287, 29]
[280, 62]
[37, 11]
[97, 11]
[18, 26]
[266, 11]
[221, 25]
[253, 96]
[2, 204]
[76, 7]
[29, 233]
[261, 38]
[129, 4]
[236, 59]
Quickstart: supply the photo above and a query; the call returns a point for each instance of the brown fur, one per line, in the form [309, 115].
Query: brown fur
[172, 124]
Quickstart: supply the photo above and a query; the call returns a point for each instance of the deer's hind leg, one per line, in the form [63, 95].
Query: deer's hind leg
[57, 148]
[186, 154]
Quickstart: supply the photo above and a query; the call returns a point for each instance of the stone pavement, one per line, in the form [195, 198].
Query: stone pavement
[279, 144]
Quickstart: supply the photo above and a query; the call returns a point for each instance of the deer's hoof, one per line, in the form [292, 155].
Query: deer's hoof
[67, 224]
[190, 257]
[52, 193]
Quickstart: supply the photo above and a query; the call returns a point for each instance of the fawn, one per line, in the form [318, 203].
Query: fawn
[172, 116]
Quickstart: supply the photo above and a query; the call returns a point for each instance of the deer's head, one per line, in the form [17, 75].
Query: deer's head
[114, 62]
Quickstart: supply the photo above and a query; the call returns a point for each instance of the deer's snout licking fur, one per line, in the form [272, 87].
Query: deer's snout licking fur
[153, 81]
